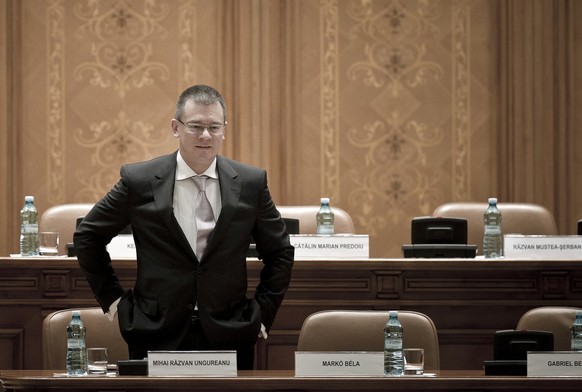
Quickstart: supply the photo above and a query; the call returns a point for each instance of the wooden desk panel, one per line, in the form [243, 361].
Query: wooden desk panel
[39, 381]
[468, 300]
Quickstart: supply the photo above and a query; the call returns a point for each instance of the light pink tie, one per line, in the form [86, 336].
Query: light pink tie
[204, 216]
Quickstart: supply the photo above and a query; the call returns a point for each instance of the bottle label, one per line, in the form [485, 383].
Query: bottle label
[325, 229]
[75, 343]
[493, 228]
[393, 343]
[29, 228]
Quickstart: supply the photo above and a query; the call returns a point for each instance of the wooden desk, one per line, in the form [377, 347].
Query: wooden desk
[468, 300]
[38, 381]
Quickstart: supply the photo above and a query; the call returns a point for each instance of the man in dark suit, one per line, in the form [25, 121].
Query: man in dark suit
[187, 298]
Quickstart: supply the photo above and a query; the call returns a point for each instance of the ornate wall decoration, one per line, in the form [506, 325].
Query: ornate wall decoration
[395, 62]
[461, 185]
[187, 38]
[330, 100]
[55, 14]
[122, 57]
[394, 49]
[395, 169]
[110, 140]
[121, 35]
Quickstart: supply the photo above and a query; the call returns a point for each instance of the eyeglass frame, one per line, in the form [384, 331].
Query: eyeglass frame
[213, 130]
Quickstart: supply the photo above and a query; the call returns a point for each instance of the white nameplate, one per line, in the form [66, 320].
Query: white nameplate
[554, 363]
[338, 246]
[339, 364]
[548, 247]
[122, 247]
[192, 363]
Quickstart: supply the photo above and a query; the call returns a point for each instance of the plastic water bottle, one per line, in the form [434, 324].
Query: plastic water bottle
[576, 333]
[325, 218]
[29, 228]
[393, 356]
[76, 347]
[492, 239]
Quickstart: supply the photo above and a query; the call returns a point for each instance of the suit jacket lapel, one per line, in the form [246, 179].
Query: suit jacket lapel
[163, 191]
[230, 188]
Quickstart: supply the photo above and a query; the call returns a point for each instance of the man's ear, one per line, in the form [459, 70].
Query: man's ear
[224, 130]
[174, 124]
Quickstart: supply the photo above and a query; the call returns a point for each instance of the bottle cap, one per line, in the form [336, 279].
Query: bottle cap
[28, 198]
[492, 200]
[393, 313]
[325, 200]
[76, 313]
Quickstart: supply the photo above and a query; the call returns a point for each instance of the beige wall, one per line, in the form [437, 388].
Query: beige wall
[388, 107]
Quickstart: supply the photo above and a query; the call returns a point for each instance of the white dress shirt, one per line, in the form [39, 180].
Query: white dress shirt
[185, 192]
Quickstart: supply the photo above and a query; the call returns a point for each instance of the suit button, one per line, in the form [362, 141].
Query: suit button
[199, 270]
[190, 306]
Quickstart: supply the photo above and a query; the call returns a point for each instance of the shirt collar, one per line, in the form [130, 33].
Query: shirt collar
[183, 171]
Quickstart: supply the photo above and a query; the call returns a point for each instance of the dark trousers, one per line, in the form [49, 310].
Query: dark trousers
[195, 339]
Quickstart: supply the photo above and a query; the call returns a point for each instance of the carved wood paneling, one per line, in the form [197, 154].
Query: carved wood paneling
[388, 284]
[555, 284]
[470, 285]
[56, 283]
[310, 285]
[19, 284]
[11, 346]
[459, 296]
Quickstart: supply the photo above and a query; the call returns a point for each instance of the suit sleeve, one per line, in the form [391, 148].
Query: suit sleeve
[107, 218]
[277, 255]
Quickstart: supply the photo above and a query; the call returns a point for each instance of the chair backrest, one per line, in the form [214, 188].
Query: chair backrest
[363, 330]
[555, 319]
[307, 221]
[101, 332]
[62, 218]
[516, 218]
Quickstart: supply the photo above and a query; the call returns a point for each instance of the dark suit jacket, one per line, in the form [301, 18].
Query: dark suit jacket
[170, 279]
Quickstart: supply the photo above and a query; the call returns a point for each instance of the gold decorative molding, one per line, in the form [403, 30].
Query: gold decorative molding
[461, 104]
[330, 163]
[187, 36]
[56, 102]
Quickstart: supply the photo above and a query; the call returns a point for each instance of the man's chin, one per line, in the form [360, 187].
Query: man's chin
[200, 161]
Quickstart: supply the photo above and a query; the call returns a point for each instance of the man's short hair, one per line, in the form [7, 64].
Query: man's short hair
[201, 94]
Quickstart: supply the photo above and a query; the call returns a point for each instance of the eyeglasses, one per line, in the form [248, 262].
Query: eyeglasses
[198, 129]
